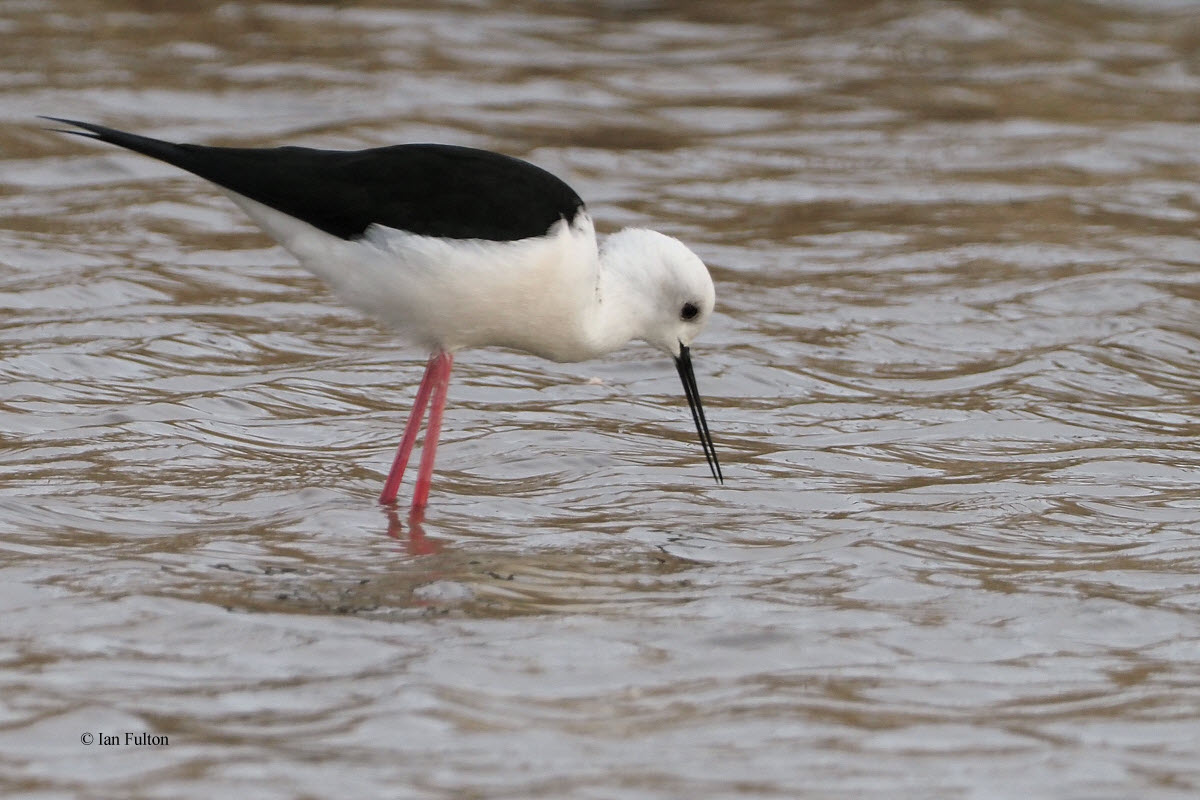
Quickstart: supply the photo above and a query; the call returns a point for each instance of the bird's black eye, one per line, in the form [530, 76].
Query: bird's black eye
[688, 312]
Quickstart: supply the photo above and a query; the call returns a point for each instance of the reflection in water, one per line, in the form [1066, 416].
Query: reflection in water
[416, 543]
[953, 369]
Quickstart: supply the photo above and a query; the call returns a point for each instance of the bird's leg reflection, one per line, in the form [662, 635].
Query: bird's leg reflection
[416, 543]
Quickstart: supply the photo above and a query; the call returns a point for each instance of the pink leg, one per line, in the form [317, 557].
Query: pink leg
[434, 429]
[391, 487]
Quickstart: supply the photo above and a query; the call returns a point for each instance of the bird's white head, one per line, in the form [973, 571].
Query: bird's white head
[661, 293]
[666, 286]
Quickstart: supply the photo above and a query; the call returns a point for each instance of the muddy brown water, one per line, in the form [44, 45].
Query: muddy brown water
[954, 382]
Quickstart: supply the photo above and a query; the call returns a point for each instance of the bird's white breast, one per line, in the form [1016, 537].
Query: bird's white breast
[536, 295]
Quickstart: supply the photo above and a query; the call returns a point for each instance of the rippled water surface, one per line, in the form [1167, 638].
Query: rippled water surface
[953, 379]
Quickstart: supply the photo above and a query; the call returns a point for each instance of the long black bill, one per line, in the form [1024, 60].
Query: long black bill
[683, 363]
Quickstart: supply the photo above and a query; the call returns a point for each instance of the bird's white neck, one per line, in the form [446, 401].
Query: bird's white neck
[621, 305]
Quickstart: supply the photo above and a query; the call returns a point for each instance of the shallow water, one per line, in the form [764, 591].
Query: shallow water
[953, 383]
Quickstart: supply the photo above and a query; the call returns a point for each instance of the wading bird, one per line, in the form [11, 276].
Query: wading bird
[456, 247]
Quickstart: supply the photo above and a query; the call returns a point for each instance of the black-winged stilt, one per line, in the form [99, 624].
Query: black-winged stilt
[457, 247]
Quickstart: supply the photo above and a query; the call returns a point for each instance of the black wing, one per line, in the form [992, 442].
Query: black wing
[427, 189]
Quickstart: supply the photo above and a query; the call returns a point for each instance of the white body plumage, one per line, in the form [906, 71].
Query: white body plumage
[557, 296]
